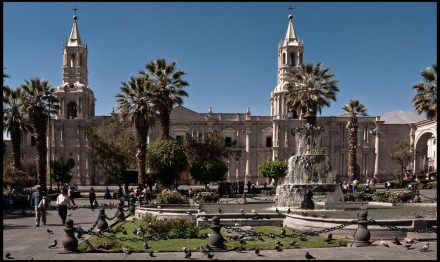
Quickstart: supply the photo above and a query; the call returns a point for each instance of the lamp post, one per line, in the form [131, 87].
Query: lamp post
[50, 145]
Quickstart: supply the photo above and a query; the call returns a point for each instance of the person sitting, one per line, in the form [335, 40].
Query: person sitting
[367, 188]
[107, 194]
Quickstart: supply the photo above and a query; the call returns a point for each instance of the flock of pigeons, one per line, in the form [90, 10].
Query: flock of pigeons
[242, 240]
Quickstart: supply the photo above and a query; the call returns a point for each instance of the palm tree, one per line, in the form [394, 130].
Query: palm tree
[425, 101]
[137, 99]
[169, 90]
[353, 108]
[309, 89]
[38, 99]
[14, 121]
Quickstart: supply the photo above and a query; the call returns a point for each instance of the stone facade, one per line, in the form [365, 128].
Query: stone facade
[254, 138]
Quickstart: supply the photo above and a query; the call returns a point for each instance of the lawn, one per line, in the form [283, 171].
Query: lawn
[111, 242]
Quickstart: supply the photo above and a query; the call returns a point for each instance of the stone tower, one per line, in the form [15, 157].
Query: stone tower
[69, 126]
[290, 57]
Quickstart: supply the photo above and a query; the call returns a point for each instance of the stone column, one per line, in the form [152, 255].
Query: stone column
[248, 148]
[412, 135]
[229, 171]
[376, 133]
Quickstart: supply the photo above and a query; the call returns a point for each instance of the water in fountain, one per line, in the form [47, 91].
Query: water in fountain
[308, 169]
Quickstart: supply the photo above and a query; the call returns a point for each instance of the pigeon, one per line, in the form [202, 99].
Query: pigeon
[327, 240]
[54, 244]
[418, 216]
[308, 256]
[188, 254]
[279, 244]
[330, 236]
[276, 210]
[302, 238]
[424, 247]
[69, 215]
[124, 232]
[49, 231]
[272, 236]
[126, 251]
[288, 211]
[8, 255]
[257, 251]
[134, 231]
[219, 210]
[210, 256]
[412, 241]
[260, 238]
[278, 248]
[146, 245]
[242, 211]
[184, 249]
[293, 242]
[384, 244]
[323, 216]
[151, 253]
[283, 232]
[396, 241]
[408, 246]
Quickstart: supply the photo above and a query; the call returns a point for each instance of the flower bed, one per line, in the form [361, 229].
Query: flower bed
[171, 197]
[207, 197]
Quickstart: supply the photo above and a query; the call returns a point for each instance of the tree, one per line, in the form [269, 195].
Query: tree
[169, 89]
[18, 178]
[61, 171]
[208, 171]
[309, 89]
[211, 147]
[15, 121]
[205, 157]
[137, 99]
[113, 148]
[353, 109]
[403, 153]
[425, 100]
[274, 169]
[167, 158]
[37, 100]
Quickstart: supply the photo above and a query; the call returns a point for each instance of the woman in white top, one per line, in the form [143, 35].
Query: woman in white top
[63, 201]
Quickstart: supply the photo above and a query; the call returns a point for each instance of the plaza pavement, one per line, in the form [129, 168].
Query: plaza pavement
[25, 241]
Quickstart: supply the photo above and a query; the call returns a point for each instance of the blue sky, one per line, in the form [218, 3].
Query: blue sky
[229, 50]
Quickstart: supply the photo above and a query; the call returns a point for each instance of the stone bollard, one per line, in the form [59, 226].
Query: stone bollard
[362, 234]
[102, 223]
[70, 242]
[216, 240]
[417, 197]
[132, 207]
[120, 216]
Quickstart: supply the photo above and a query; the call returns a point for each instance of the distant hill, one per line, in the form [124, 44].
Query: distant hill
[401, 117]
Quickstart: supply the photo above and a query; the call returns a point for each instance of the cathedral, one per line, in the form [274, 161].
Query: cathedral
[251, 138]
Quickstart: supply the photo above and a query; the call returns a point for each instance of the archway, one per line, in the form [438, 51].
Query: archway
[71, 110]
[424, 153]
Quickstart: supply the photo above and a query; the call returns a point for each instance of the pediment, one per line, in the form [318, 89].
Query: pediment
[185, 114]
[229, 130]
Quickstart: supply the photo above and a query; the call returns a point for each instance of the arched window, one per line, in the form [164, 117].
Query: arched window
[301, 58]
[292, 59]
[71, 110]
[284, 58]
[80, 59]
[72, 60]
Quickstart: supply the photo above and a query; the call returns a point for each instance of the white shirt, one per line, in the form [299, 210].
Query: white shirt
[63, 200]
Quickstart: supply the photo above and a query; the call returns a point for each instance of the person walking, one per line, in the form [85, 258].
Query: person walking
[107, 194]
[40, 205]
[63, 201]
[70, 194]
[92, 198]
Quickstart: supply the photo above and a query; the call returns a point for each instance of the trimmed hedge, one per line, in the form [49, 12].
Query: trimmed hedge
[388, 197]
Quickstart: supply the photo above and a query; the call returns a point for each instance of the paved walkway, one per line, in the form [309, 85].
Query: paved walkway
[25, 241]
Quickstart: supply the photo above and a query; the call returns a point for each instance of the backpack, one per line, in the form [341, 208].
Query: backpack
[43, 203]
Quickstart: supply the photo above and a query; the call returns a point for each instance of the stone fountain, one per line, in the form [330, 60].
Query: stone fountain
[308, 172]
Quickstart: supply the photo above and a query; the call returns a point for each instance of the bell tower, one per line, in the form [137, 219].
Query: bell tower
[290, 57]
[76, 98]
[75, 57]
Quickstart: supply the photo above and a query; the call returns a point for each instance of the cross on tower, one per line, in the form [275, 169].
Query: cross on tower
[75, 9]
[290, 8]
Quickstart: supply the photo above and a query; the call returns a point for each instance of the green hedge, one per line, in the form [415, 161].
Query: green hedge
[207, 197]
[387, 197]
[428, 185]
[268, 192]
